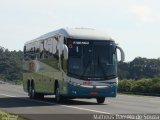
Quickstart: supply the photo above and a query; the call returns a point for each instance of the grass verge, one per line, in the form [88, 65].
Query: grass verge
[7, 116]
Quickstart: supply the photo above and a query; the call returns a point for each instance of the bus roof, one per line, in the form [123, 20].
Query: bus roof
[75, 33]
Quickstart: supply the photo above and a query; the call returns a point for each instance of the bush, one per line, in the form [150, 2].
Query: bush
[140, 86]
[125, 85]
[155, 80]
[155, 88]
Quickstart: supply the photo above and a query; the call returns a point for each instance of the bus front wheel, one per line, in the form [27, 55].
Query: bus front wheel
[100, 100]
[57, 95]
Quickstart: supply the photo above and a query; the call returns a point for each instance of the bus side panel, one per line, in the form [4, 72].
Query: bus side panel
[44, 73]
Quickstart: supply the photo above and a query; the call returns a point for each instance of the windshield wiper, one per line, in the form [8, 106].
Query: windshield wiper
[102, 67]
[88, 64]
[105, 72]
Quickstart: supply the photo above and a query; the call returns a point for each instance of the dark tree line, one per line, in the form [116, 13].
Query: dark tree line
[139, 68]
[10, 65]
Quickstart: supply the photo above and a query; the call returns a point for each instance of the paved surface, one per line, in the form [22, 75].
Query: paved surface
[14, 100]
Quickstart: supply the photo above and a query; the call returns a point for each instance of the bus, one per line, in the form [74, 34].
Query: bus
[71, 63]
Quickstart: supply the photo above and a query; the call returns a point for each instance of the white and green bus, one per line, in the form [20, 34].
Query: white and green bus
[71, 63]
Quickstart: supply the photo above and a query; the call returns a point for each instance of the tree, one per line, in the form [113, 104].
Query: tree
[10, 65]
[139, 68]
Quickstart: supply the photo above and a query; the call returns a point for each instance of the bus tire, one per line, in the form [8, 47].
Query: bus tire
[100, 100]
[57, 95]
[31, 92]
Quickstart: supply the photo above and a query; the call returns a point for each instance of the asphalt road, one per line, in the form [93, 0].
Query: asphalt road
[14, 100]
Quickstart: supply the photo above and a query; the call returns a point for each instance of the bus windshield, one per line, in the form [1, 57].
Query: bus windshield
[90, 59]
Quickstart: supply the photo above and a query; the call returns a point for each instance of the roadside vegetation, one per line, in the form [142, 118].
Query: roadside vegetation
[10, 65]
[139, 68]
[147, 86]
[8, 116]
[140, 76]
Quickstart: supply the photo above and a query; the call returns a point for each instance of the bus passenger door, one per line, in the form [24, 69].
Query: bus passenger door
[64, 61]
[63, 57]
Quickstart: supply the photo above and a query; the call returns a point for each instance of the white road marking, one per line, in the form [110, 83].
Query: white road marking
[86, 109]
[79, 108]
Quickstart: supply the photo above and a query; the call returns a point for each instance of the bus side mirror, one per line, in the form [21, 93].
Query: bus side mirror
[122, 54]
[65, 52]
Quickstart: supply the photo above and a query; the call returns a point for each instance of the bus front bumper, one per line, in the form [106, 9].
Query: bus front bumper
[82, 91]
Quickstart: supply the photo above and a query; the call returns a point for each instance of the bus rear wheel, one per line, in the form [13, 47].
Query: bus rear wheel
[31, 92]
[100, 100]
[33, 95]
